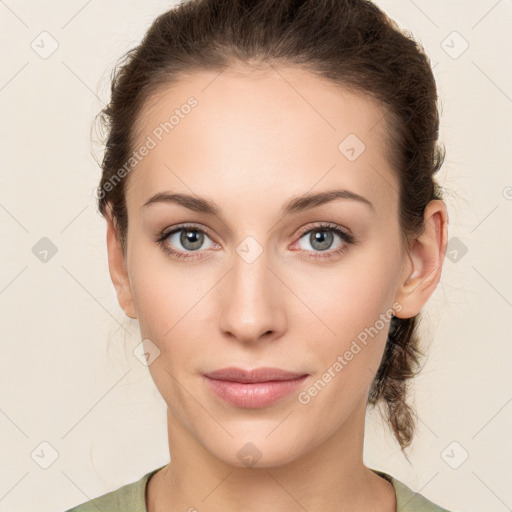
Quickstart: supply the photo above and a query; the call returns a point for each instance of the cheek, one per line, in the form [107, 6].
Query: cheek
[168, 309]
[165, 292]
[352, 309]
[352, 296]
[170, 302]
[168, 305]
[339, 302]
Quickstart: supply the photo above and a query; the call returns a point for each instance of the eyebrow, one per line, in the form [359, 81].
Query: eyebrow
[296, 204]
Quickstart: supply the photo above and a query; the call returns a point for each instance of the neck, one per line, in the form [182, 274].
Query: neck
[330, 477]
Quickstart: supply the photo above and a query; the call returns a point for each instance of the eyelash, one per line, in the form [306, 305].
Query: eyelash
[180, 255]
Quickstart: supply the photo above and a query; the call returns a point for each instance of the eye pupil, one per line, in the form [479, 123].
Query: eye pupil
[324, 237]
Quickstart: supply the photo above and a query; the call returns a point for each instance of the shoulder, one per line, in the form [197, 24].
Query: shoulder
[128, 498]
[409, 500]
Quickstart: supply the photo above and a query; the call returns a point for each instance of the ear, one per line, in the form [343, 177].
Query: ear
[117, 267]
[423, 270]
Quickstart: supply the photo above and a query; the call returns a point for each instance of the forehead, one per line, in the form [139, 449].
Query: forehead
[268, 131]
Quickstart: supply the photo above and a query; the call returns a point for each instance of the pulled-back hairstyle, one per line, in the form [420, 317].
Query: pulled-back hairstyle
[351, 43]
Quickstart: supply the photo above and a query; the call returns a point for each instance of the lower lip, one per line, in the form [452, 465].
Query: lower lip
[255, 395]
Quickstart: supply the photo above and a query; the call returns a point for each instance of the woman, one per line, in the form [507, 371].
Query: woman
[274, 225]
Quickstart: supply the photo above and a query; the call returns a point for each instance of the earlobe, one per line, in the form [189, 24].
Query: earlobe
[426, 256]
[117, 268]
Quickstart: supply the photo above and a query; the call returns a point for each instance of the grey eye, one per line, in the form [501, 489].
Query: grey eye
[321, 239]
[190, 239]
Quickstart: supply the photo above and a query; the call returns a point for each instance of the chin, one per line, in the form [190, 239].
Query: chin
[257, 452]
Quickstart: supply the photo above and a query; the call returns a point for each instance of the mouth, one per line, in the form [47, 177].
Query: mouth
[253, 389]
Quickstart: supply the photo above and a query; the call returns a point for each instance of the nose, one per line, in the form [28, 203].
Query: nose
[252, 301]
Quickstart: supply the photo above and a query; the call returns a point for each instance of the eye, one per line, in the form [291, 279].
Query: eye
[322, 237]
[187, 238]
[183, 241]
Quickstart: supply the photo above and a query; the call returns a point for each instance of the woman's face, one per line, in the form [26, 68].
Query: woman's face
[266, 284]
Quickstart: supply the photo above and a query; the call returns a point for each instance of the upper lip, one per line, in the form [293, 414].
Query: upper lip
[263, 374]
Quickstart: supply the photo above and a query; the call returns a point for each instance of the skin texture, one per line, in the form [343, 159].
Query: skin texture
[254, 141]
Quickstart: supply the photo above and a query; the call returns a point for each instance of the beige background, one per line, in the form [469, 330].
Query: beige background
[78, 417]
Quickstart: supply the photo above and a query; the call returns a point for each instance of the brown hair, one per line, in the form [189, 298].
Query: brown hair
[351, 43]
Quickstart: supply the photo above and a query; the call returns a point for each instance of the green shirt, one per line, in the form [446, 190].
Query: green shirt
[132, 498]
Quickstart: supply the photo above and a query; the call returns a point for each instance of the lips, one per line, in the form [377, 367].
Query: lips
[263, 374]
[253, 389]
